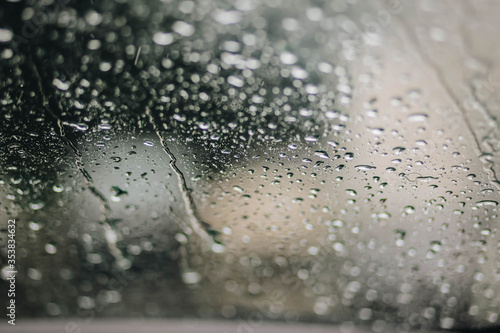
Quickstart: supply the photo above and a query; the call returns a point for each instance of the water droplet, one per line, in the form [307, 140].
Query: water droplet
[398, 150]
[227, 17]
[60, 84]
[50, 248]
[86, 302]
[34, 226]
[332, 114]
[34, 274]
[400, 237]
[37, 205]
[321, 154]
[348, 156]
[421, 143]
[183, 28]
[235, 81]
[313, 250]
[288, 58]
[426, 178]
[363, 167]
[104, 127]
[383, 215]
[191, 277]
[365, 314]
[204, 126]
[487, 203]
[218, 248]
[351, 192]
[447, 323]
[435, 246]
[311, 139]
[238, 189]
[163, 38]
[409, 209]
[305, 113]
[79, 126]
[57, 188]
[5, 35]
[117, 193]
[418, 117]
[376, 130]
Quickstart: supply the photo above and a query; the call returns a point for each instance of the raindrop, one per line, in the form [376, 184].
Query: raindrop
[447, 323]
[426, 178]
[183, 28]
[227, 17]
[398, 150]
[34, 274]
[238, 189]
[348, 156]
[400, 237]
[57, 188]
[409, 209]
[288, 58]
[5, 35]
[311, 139]
[60, 84]
[50, 248]
[34, 226]
[376, 130]
[37, 205]
[163, 38]
[321, 154]
[435, 246]
[363, 167]
[351, 192]
[417, 117]
[487, 203]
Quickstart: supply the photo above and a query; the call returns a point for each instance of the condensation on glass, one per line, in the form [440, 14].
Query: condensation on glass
[331, 162]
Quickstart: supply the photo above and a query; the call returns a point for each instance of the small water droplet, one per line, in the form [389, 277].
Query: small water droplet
[363, 167]
[34, 274]
[487, 203]
[418, 117]
[435, 246]
[310, 138]
[57, 188]
[50, 248]
[398, 150]
[37, 205]
[238, 189]
[321, 154]
[351, 192]
[409, 209]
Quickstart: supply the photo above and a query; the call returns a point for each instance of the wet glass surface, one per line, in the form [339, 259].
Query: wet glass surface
[328, 162]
